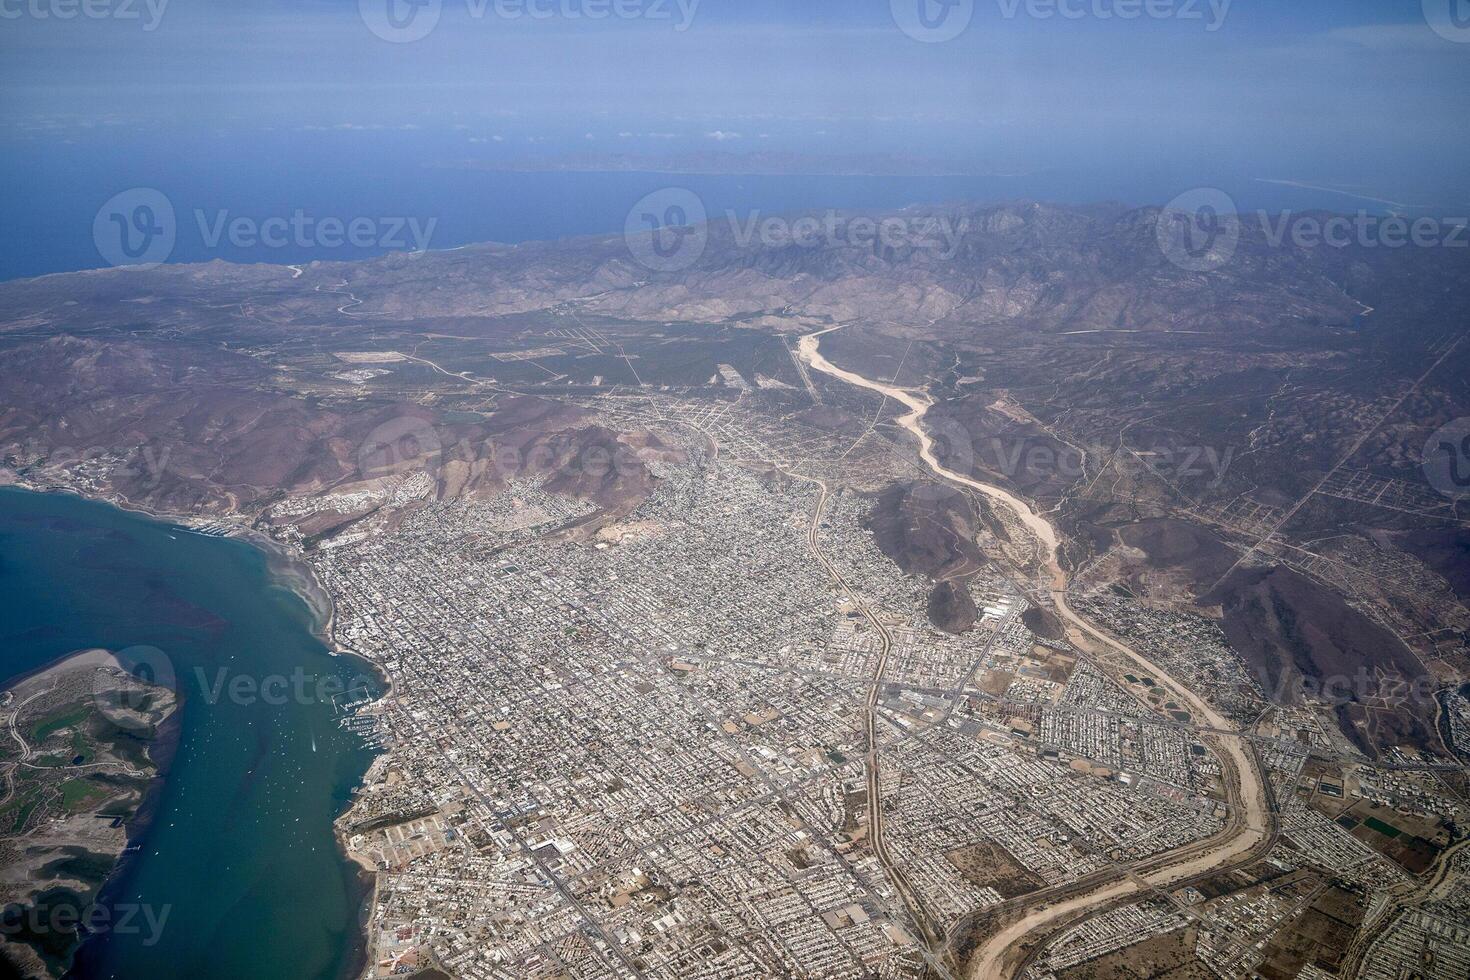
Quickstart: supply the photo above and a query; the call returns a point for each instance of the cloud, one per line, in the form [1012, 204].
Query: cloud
[1389, 37]
[720, 136]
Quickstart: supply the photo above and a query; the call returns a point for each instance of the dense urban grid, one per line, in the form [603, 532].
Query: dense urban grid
[643, 752]
[1051, 613]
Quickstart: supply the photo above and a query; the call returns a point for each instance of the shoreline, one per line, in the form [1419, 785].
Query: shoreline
[290, 569]
[160, 752]
[14, 681]
[286, 569]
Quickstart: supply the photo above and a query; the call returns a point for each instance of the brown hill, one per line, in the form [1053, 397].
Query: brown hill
[1301, 638]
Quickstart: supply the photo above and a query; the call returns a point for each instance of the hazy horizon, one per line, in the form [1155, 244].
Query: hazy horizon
[265, 108]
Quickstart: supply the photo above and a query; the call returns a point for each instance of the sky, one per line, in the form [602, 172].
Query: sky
[1366, 98]
[1326, 86]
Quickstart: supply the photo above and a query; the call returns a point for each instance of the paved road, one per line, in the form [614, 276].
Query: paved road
[932, 937]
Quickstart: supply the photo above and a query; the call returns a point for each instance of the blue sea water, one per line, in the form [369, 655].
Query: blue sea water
[239, 861]
[56, 191]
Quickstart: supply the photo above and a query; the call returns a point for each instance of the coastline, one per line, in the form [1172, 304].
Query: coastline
[14, 682]
[285, 565]
[290, 570]
[160, 753]
[286, 568]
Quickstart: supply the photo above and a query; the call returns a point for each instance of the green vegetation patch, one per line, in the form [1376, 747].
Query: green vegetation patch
[17, 813]
[1387, 830]
[69, 717]
[81, 794]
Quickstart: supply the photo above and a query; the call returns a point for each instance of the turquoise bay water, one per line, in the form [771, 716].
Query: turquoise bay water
[240, 851]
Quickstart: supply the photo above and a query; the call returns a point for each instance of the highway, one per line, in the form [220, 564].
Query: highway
[932, 937]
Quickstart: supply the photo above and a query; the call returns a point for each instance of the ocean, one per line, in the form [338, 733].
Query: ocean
[238, 861]
[386, 180]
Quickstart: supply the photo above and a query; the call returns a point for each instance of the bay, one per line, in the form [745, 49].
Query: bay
[239, 853]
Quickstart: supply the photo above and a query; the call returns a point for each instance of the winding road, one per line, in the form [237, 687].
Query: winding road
[1250, 828]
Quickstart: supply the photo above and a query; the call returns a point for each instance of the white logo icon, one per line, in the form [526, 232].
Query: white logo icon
[667, 231]
[135, 228]
[1447, 459]
[400, 445]
[932, 21]
[1199, 230]
[1450, 19]
[126, 702]
[401, 21]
